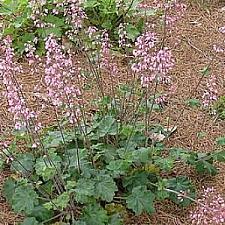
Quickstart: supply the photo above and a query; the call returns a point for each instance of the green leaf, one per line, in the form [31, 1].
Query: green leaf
[127, 130]
[138, 178]
[20, 21]
[24, 199]
[80, 223]
[141, 200]
[219, 107]
[219, 156]
[181, 185]
[220, 141]
[61, 201]
[193, 102]
[59, 22]
[161, 195]
[132, 32]
[9, 6]
[115, 209]
[141, 155]
[41, 213]
[75, 160]
[107, 25]
[91, 3]
[47, 166]
[181, 154]
[84, 190]
[105, 187]
[147, 12]
[95, 215]
[119, 167]
[30, 221]
[9, 189]
[107, 126]
[23, 164]
[165, 164]
[54, 139]
[45, 32]
[115, 220]
[104, 152]
[206, 166]
[21, 40]
[205, 71]
[2, 163]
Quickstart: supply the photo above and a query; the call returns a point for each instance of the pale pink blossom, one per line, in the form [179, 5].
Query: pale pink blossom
[210, 209]
[17, 106]
[210, 93]
[107, 62]
[60, 78]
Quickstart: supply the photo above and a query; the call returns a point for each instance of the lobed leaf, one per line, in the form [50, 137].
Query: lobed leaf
[141, 200]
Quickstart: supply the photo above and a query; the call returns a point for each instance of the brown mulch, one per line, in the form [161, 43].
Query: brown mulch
[198, 31]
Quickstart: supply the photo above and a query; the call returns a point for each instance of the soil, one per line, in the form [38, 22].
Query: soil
[197, 32]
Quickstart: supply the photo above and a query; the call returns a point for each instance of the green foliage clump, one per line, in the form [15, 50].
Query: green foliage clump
[219, 107]
[20, 22]
[100, 174]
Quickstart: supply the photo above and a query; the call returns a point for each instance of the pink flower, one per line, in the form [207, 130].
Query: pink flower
[107, 60]
[222, 30]
[174, 11]
[162, 62]
[210, 93]
[218, 49]
[75, 12]
[144, 50]
[210, 209]
[17, 106]
[91, 31]
[60, 76]
[123, 40]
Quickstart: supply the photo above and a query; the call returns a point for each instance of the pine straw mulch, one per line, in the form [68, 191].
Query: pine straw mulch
[198, 31]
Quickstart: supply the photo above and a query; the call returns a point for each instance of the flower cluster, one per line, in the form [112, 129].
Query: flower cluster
[210, 210]
[38, 12]
[69, 8]
[161, 100]
[91, 31]
[22, 114]
[174, 10]
[107, 62]
[60, 75]
[30, 51]
[152, 64]
[210, 94]
[95, 37]
[123, 36]
[218, 49]
[74, 11]
[142, 52]
[162, 62]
